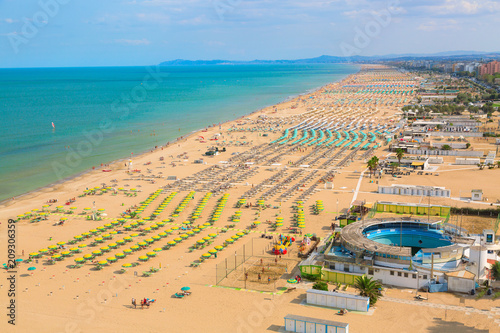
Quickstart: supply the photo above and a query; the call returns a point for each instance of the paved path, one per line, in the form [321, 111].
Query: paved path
[358, 186]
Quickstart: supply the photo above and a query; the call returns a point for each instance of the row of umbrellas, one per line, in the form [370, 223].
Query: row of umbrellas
[300, 215]
[318, 207]
[183, 204]
[199, 209]
[164, 203]
[217, 248]
[146, 202]
[220, 207]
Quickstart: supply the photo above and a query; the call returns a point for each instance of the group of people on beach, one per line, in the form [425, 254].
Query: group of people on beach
[144, 302]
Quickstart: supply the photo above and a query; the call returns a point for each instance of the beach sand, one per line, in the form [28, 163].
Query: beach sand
[58, 298]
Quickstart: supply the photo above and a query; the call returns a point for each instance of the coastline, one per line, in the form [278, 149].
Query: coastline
[57, 184]
[173, 188]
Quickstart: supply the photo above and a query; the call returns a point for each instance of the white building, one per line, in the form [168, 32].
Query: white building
[415, 190]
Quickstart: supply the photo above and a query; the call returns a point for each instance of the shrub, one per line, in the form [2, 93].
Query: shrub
[320, 285]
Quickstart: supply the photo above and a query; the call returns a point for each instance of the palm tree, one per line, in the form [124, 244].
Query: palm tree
[400, 153]
[368, 287]
[495, 270]
[498, 164]
[373, 165]
[370, 165]
[394, 167]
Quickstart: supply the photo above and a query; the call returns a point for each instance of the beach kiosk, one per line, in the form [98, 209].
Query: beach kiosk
[334, 299]
[295, 323]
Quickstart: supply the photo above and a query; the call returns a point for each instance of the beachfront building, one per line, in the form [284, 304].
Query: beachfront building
[415, 190]
[302, 324]
[411, 208]
[403, 252]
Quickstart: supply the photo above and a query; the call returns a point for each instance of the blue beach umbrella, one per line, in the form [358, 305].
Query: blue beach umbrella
[31, 268]
[19, 260]
[185, 288]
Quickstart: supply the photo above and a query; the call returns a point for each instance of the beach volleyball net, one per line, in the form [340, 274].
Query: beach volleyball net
[253, 267]
[233, 261]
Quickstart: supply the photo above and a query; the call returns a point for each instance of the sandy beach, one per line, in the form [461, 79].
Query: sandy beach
[55, 296]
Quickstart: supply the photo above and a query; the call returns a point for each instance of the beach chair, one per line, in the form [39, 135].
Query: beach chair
[177, 295]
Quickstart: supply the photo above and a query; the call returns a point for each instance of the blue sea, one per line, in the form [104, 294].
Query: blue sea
[106, 113]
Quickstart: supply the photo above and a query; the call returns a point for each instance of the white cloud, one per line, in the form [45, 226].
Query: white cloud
[202, 19]
[432, 25]
[463, 7]
[133, 42]
[9, 20]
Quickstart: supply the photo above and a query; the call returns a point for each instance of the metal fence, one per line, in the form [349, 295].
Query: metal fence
[233, 261]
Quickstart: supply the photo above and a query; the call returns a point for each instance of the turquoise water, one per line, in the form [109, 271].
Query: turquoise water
[104, 114]
[416, 239]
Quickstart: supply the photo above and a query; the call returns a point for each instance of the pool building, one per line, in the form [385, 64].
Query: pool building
[402, 252]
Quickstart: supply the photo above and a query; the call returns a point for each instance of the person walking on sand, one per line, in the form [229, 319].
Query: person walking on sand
[134, 303]
[259, 277]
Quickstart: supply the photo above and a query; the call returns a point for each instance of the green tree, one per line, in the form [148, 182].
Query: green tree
[371, 166]
[495, 270]
[400, 153]
[394, 167]
[446, 147]
[374, 162]
[368, 287]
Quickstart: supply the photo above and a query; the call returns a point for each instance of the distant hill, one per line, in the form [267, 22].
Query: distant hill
[326, 59]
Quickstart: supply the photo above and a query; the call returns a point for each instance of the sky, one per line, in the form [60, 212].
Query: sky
[63, 33]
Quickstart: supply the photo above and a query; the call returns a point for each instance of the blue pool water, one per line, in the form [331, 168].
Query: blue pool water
[410, 238]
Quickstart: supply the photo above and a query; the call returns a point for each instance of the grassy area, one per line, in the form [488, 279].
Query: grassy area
[496, 105]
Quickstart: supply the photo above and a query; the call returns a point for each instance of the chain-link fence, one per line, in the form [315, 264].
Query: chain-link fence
[232, 262]
[254, 267]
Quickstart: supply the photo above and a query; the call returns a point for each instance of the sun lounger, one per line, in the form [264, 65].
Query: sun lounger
[177, 295]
